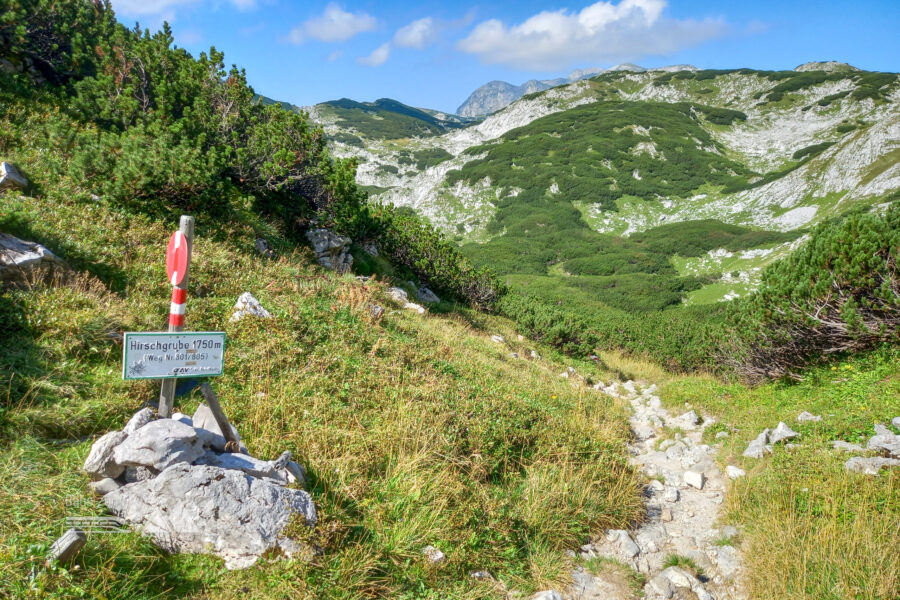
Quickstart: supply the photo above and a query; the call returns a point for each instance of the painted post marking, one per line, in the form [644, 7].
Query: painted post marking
[178, 266]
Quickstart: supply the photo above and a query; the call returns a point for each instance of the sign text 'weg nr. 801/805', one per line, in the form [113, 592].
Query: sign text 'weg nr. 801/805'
[160, 355]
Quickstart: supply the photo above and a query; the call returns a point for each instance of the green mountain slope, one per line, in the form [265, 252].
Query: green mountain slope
[547, 186]
[383, 119]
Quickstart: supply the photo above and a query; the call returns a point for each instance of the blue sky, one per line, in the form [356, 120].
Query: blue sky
[434, 54]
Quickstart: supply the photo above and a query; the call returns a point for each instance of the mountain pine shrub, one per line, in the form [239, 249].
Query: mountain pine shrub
[840, 292]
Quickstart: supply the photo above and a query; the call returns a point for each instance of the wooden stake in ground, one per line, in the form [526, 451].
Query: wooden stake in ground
[66, 547]
[212, 401]
[178, 265]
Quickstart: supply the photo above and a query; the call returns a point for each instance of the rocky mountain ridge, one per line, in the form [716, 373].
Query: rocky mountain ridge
[814, 144]
[496, 94]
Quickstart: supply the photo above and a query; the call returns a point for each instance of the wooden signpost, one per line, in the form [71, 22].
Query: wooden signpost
[178, 268]
[177, 354]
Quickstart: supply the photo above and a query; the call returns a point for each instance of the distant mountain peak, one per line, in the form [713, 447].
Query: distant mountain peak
[832, 66]
[496, 94]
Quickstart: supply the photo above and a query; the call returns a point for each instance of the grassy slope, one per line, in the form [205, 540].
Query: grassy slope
[415, 430]
[811, 530]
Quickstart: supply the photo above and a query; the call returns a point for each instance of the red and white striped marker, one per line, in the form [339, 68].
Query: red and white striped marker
[176, 308]
[177, 258]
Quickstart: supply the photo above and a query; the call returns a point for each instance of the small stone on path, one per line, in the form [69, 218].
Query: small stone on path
[734, 472]
[808, 417]
[694, 479]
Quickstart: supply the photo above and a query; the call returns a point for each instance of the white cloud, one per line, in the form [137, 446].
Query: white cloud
[334, 25]
[601, 32]
[378, 56]
[335, 55]
[417, 34]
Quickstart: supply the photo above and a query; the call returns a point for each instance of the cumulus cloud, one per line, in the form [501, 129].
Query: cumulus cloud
[378, 56]
[417, 34]
[334, 25]
[601, 32]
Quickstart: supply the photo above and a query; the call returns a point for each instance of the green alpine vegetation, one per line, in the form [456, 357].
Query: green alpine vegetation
[386, 119]
[477, 427]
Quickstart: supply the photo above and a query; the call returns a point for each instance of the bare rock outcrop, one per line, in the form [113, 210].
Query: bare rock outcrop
[208, 509]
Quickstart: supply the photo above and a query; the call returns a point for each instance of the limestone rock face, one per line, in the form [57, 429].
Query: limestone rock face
[332, 250]
[207, 509]
[22, 262]
[159, 445]
[10, 178]
[242, 462]
[101, 463]
[140, 418]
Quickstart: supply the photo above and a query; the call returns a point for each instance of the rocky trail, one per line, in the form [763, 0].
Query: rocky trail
[683, 501]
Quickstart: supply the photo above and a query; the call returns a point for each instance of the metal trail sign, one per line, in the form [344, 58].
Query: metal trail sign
[163, 355]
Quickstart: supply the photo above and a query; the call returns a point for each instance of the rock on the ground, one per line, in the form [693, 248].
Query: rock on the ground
[10, 178]
[101, 462]
[498, 339]
[885, 440]
[159, 445]
[208, 430]
[427, 296]
[183, 418]
[416, 307]
[23, 262]
[734, 472]
[757, 448]
[206, 509]
[140, 418]
[135, 474]
[870, 466]
[727, 561]
[896, 422]
[667, 584]
[808, 417]
[332, 250]
[688, 420]
[248, 305]
[433, 555]
[722, 435]
[624, 542]
[694, 479]
[671, 494]
[847, 446]
[782, 432]
[242, 462]
[263, 248]
[104, 486]
[398, 295]
[547, 595]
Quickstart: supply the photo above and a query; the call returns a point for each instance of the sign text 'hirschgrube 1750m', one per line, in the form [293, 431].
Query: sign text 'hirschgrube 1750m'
[161, 355]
